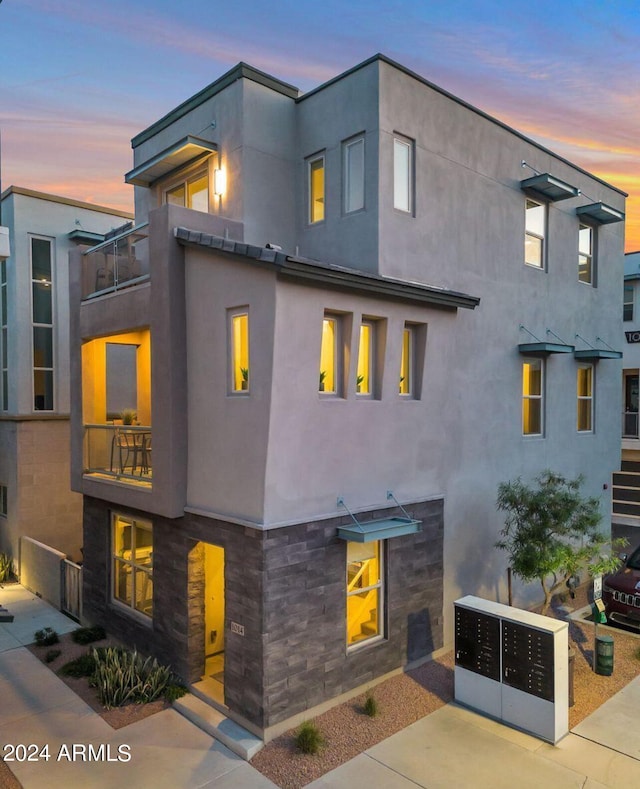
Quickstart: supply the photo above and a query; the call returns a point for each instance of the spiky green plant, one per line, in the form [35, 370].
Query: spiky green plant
[309, 738]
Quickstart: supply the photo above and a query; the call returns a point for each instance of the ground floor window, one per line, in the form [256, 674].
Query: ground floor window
[3, 501]
[132, 542]
[365, 587]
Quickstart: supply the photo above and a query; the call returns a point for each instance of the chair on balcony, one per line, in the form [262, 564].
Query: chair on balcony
[130, 447]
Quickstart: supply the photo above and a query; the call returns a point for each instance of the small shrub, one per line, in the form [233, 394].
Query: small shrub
[46, 637]
[83, 666]
[174, 691]
[370, 706]
[87, 635]
[51, 655]
[308, 738]
[122, 676]
[637, 654]
[6, 568]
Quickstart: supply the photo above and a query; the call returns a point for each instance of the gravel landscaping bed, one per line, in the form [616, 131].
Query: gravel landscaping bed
[403, 699]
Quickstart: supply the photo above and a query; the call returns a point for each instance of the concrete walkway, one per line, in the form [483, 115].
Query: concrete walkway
[164, 750]
[451, 747]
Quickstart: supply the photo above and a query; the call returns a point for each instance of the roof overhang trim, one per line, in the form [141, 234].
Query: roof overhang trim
[177, 155]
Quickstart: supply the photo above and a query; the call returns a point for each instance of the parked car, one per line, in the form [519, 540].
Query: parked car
[621, 592]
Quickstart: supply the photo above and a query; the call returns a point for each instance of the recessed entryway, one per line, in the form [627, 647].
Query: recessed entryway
[213, 558]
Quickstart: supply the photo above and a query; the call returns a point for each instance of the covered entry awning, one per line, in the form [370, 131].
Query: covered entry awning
[181, 153]
[379, 528]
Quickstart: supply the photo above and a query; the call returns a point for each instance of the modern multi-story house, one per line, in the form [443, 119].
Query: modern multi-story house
[341, 320]
[35, 498]
[626, 482]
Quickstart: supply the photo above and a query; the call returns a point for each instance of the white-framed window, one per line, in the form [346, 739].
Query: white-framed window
[190, 190]
[331, 359]
[365, 592]
[316, 188]
[627, 310]
[584, 390]
[41, 250]
[365, 372]
[132, 552]
[353, 175]
[585, 254]
[533, 397]
[535, 231]
[403, 169]
[4, 351]
[3, 501]
[238, 323]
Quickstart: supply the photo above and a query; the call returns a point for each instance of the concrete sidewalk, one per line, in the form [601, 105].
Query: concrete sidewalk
[37, 708]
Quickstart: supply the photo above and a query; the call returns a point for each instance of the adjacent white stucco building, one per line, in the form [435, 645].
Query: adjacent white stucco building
[35, 497]
[343, 318]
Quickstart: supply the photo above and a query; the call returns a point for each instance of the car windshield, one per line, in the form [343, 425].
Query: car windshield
[633, 562]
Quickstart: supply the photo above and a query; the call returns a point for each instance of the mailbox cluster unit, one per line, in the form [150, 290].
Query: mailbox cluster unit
[513, 666]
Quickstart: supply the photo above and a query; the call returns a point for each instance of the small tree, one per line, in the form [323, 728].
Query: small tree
[551, 532]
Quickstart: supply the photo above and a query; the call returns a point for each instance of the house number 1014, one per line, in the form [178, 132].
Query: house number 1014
[236, 628]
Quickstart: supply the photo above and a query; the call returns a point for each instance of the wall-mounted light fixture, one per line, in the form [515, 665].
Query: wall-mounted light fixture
[219, 182]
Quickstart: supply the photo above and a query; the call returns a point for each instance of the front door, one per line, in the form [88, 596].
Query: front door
[214, 611]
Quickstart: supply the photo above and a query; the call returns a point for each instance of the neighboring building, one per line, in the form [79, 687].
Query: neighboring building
[370, 288]
[35, 498]
[626, 482]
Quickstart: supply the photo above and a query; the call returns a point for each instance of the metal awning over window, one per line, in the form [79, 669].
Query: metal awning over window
[593, 354]
[601, 213]
[543, 348]
[380, 528]
[177, 155]
[549, 188]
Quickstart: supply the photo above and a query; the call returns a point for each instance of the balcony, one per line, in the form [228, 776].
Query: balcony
[118, 262]
[119, 452]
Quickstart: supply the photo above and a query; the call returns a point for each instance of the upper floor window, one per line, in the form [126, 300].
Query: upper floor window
[353, 175]
[132, 547]
[535, 227]
[239, 342]
[330, 380]
[3, 501]
[403, 174]
[585, 254]
[4, 335]
[532, 397]
[366, 357]
[585, 398]
[316, 188]
[42, 319]
[627, 314]
[407, 361]
[190, 192]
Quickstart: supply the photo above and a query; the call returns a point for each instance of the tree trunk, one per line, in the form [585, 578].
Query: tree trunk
[547, 597]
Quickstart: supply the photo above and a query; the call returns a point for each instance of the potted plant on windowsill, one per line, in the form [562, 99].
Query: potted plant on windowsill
[323, 375]
[244, 384]
[129, 416]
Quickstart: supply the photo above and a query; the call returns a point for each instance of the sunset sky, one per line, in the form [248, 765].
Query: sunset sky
[79, 78]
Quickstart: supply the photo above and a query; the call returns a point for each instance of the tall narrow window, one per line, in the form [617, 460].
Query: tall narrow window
[239, 327]
[3, 335]
[585, 254]
[535, 224]
[3, 501]
[330, 356]
[42, 316]
[353, 175]
[316, 189]
[366, 357]
[585, 398]
[532, 397]
[628, 303]
[403, 175]
[364, 592]
[132, 542]
[407, 362]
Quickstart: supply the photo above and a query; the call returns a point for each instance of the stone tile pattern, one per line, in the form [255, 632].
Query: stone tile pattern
[286, 588]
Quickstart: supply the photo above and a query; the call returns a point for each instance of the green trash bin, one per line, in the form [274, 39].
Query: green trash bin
[604, 655]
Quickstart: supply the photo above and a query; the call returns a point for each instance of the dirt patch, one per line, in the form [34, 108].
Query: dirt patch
[406, 698]
[118, 717]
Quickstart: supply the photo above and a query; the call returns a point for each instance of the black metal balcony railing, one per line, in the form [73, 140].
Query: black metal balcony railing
[119, 262]
[122, 452]
[630, 424]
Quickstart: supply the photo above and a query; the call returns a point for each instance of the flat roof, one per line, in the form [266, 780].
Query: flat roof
[102, 209]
